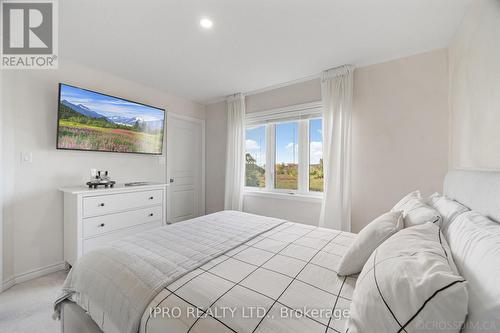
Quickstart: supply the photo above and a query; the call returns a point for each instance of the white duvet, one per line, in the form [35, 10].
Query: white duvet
[115, 284]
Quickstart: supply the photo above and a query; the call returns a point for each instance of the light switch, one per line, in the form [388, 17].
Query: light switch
[27, 157]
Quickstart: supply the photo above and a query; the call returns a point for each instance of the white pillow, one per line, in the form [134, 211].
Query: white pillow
[369, 238]
[447, 208]
[401, 203]
[409, 282]
[416, 211]
[475, 243]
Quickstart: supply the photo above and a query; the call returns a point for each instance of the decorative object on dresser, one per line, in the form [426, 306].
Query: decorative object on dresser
[100, 178]
[95, 217]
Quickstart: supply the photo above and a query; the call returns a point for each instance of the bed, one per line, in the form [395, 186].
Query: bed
[280, 280]
[289, 268]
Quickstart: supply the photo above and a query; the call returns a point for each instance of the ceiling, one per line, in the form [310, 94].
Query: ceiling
[253, 44]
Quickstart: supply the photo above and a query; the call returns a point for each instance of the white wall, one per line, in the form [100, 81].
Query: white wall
[299, 93]
[302, 210]
[1, 185]
[475, 88]
[400, 137]
[399, 132]
[33, 221]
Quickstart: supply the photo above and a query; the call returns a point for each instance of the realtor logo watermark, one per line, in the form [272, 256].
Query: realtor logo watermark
[29, 34]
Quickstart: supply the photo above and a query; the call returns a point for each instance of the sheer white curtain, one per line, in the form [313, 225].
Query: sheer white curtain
[336, 94]
[235, 153]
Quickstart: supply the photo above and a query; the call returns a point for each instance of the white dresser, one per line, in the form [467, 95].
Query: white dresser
[95, 217]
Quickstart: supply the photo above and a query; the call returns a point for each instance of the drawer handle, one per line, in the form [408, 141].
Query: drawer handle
[101, 225]
[151, 214]
[101, 204]
[151, 198]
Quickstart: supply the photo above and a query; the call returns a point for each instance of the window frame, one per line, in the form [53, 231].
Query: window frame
[298, 113]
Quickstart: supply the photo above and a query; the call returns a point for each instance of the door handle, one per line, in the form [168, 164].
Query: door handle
[171, 180]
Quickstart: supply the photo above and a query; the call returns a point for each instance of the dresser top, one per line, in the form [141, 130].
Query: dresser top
[115, 189]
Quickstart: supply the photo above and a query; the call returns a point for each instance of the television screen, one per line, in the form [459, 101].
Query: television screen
[89, 120]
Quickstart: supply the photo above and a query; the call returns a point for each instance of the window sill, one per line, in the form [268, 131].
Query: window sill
[284, 196]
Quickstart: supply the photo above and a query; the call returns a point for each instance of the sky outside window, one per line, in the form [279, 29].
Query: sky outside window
[255, 146]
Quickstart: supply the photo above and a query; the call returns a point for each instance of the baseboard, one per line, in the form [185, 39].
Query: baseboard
[33, 274]
[7, 284]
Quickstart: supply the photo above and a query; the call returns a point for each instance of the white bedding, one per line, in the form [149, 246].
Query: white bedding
[288, 273]
[116, 283]
[475, 244]
[410, 284]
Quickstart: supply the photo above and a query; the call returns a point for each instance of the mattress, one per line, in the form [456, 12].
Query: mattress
[282, 281]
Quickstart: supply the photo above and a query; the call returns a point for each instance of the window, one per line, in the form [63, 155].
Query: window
[315, 155]
[255, 157]
[287, 150]
[284, 151]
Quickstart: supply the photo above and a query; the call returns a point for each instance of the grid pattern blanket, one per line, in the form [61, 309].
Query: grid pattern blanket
[115, 284]
[284, 280]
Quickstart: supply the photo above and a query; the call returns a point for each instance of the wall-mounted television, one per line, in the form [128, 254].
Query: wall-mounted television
[92, 121]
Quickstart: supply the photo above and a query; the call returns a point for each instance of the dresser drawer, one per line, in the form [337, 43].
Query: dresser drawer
[93, 226]
[99, 241]
[106, 204]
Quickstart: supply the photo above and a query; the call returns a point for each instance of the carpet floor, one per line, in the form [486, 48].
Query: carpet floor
[27, 307]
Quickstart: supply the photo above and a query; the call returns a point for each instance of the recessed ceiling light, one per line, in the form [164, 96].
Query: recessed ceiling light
[206, 23]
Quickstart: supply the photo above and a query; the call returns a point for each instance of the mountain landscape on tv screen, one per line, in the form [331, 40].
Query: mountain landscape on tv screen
[151, 126]
[84, 127]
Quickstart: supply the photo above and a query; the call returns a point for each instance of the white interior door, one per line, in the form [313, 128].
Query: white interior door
[185, 167]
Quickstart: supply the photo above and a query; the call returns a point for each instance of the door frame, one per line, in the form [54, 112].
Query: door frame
[171, 115]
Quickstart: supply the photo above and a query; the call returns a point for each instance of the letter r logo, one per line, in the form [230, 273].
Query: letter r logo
[27, 28]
